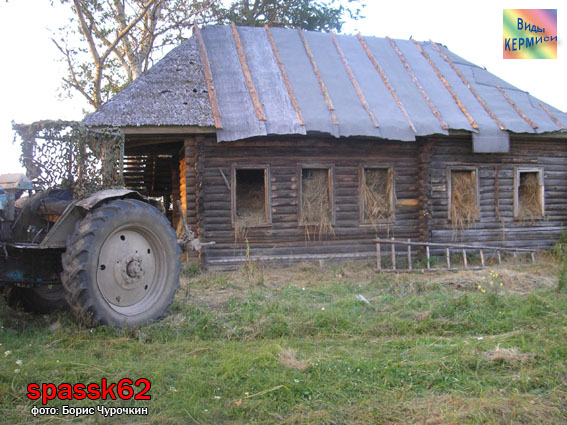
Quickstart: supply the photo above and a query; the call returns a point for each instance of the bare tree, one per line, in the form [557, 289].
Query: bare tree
[108, 43]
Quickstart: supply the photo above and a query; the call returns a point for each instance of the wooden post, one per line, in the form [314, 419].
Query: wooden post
[465, 262]
[409, 255]
[378, 257]
[499, 256]
[532, 254]
[428, 257]
[482, 258]
[393, 255]
[448, 255]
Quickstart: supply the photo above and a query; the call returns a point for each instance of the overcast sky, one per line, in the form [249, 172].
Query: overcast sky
[30, 75]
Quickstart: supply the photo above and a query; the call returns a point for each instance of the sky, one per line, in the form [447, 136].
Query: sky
[30, 75]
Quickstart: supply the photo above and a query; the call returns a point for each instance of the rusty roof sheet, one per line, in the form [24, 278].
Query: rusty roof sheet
[299, 82]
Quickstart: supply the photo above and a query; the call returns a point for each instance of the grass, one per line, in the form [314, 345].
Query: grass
[297, 346]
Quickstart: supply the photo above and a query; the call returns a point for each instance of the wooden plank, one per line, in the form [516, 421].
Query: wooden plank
[518, 110]
[447, 86]
[420, 88]
[225, 179]
[258, 106]
[287, 83]
[208, 78]
[406, 202]
[326, 95]
[469, 86]
[551, 116]
[385, 80]
[393, 249]
[353, 81]
[409, 255]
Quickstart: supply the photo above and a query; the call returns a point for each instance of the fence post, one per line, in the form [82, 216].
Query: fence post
[393, 255]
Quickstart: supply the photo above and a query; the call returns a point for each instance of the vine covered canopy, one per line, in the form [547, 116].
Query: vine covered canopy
[70, 155]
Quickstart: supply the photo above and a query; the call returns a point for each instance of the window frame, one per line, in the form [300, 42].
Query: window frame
[361, 206]
[541, 182]
[331, 181]
[449, 178]
[267, 192]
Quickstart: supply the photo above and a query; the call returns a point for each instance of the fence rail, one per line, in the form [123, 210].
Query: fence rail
[449, 248]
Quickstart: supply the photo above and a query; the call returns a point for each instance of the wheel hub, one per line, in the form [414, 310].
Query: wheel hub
[126, 268]
[134, 269]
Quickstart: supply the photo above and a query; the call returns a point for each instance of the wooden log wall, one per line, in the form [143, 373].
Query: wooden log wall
[188, 176]
[285, 236]
[497, 224]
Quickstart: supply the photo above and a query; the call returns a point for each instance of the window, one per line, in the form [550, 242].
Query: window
[317, 198]
[529, 195]
[464, 207]
[376, 195]
[250, 198]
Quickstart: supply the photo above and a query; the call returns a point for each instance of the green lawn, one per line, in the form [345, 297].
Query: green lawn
[300, 346]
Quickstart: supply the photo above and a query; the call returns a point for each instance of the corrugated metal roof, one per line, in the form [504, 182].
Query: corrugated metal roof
[344, 86]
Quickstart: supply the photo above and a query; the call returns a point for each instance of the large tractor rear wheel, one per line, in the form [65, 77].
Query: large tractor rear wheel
[122, 265]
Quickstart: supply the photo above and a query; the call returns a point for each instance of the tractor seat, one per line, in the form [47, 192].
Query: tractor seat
[53, 203]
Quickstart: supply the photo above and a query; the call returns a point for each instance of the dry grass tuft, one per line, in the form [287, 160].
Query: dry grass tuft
[507, 355]
[316, 214]
[464, 203]
[377, 194]
[288, 358]
[529, 196]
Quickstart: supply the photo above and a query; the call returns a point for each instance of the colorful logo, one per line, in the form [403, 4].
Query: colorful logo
[530, 34]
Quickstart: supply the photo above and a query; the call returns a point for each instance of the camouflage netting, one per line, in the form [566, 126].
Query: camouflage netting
[69, 155]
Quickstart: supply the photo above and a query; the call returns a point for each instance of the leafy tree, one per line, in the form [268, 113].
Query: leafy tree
[306, 14]
[108, 43]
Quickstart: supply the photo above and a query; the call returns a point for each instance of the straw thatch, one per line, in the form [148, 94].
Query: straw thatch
[464, 202]
[377, 194]
[529, 196]
[172, 92]
[250, 202]
[315, 202]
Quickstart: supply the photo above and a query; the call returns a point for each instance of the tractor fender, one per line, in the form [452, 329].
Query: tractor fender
[76, 210]
[97, 198]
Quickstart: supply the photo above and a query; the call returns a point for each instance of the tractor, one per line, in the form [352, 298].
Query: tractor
[111, 256]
